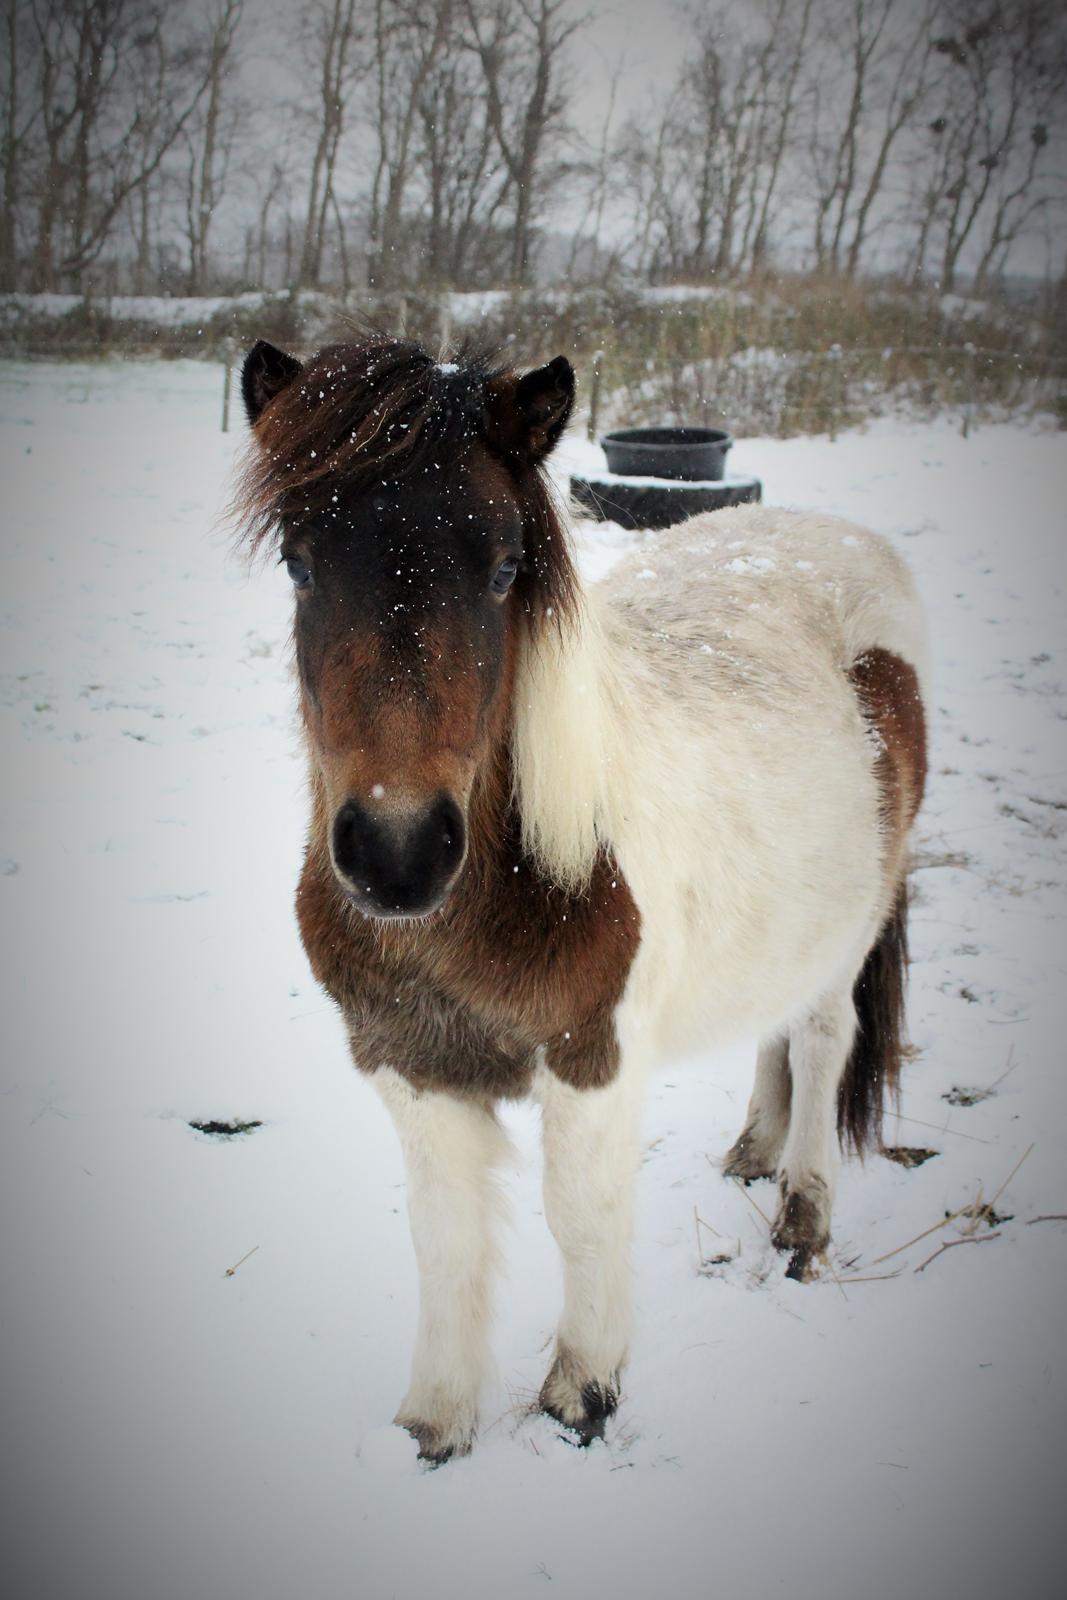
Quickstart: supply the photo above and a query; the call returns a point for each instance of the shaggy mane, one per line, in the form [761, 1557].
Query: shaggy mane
[381, 411]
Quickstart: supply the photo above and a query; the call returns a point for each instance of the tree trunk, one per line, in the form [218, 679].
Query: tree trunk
[8, 242]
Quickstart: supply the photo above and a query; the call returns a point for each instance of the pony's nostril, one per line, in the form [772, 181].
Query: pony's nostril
[350, 838]
[448, 820]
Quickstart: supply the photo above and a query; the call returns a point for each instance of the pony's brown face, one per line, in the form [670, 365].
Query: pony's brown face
[414, 573]
[405, 642]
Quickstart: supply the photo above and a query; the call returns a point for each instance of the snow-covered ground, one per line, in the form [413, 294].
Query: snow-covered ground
[164, 311]
[177, 1431]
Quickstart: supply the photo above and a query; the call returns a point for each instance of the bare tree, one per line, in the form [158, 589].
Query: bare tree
[330, 37]
[462, 181]
[705, 182]
[871, 79]
[521, 45]
[209, 138]
[272, 187]
[904, 87]
[990, 168]
[789, 29]
[19, 116]
[114, 93]
[597, 173]
[643, 161]
[411, 37]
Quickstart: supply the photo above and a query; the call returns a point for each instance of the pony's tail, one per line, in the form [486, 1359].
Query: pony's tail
[873, 1068]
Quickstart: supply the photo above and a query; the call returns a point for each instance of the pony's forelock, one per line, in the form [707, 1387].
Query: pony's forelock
[355, 412]
[378, 411]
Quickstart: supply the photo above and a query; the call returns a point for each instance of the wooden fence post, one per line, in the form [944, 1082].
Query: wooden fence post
[835, 354]
[970, 371]
[228, 353]
[594, 395]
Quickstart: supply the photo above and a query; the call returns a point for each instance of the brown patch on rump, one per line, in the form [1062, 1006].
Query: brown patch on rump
[888, 692]
[463, 1000]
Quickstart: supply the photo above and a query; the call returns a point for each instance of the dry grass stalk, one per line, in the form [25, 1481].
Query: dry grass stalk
[833, 1273]
[974, 1214]
[1010, 1176]
[702, 1259]
[702, 1224]
[1053, 1216]
[951, 1217]
[977, 1212]
[937, 1128]
[871, 1277]
[231, 1270]
[758, 1209]
[1010, 1067]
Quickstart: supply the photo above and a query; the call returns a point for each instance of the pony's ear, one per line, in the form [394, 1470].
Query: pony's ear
[527, 415]
[266, 372]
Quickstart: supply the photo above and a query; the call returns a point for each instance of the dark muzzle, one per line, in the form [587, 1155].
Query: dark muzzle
[398, 864]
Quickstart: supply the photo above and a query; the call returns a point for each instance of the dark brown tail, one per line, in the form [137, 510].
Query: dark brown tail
[873, 1068]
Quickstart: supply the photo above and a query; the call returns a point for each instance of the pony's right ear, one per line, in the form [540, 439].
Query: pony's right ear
[266, 372]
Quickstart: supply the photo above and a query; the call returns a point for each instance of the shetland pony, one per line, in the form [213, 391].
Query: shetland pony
[559, 833]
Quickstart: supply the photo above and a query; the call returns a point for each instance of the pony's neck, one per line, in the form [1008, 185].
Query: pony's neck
[561, 745]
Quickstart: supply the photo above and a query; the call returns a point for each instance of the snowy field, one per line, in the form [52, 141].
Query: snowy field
[178, 1431]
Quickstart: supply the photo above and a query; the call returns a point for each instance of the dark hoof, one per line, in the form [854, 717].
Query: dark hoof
[802, 1225]
[582, 1407]
[747, 1160]
[746, 1178]
[435, 1448]
[799, 1268]
[578, 1434]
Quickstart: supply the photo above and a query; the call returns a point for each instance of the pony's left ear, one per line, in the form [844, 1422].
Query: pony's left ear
[266, 372]
[527, 415]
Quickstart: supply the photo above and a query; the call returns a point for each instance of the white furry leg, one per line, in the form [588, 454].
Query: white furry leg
[819, 1045]
[758, 1148]
[450, 1148]
[591, 1150]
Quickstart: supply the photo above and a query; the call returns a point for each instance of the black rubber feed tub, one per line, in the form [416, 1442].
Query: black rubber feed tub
[687, 454]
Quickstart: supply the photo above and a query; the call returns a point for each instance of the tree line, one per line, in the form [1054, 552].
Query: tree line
[179, 146]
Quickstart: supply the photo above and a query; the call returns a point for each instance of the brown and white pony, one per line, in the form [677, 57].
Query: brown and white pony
[559, 834]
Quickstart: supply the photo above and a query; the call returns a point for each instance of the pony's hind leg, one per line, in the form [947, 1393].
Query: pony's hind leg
[758, 1148]
[450, 1149]
[819, 1045]
[590, 1151]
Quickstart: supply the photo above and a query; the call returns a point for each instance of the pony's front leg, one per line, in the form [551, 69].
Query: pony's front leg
[450, 1149]
[590, 1153]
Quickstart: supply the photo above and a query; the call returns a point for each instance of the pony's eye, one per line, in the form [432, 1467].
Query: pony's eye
[505, 576]
[299, 571]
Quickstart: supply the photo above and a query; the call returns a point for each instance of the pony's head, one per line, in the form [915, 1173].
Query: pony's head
[409, 505]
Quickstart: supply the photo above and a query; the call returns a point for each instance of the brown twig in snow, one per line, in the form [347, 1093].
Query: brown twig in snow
[986, 1238]
[1053, 1216]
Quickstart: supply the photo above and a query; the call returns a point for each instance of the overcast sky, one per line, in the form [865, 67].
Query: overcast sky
[643, 37]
